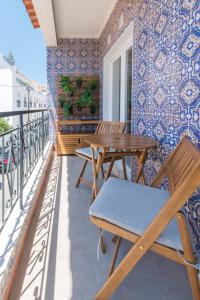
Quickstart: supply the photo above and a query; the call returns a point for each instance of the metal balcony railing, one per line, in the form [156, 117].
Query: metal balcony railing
[20, 149]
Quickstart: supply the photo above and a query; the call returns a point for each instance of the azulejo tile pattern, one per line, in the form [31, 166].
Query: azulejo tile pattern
[71, 57]
[166, 75]
[166, 83]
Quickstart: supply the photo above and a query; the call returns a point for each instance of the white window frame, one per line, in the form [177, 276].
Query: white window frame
[119, 49]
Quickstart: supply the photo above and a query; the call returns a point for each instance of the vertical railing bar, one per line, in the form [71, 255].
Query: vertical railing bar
[13, 165]
[35, 141]
[39, 127]
[43, 135]
[39, 136]
[9, 175]
[18, 159]
[3, 183]
[36, 146]
[10, 170]
[25, 150]
[21, 160]
[30, 148]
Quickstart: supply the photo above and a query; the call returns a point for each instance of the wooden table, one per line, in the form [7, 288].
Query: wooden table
[118, 146]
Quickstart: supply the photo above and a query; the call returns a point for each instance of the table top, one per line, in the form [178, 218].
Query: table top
[121, 141]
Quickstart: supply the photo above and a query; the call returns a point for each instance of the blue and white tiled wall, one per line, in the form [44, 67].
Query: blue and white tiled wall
[166, 74]
[166, 81]
[71, 57]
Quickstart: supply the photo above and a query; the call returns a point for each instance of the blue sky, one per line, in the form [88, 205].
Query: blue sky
[18, 35]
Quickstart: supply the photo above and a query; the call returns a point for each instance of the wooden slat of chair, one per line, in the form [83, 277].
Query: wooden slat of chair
[102, 127]
[185, 159]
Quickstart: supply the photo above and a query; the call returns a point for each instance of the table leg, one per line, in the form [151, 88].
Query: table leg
[94, 170]
[141, 161]
[97, 164]
[124, 168]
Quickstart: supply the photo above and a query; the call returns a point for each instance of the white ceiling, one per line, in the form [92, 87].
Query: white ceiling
[44, 12]
[81, 18]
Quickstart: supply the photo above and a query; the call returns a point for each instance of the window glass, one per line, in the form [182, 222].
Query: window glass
[18, 103]
[116, 89]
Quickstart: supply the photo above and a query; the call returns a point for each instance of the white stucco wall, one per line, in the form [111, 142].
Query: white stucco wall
[13, 88]
[6, 92]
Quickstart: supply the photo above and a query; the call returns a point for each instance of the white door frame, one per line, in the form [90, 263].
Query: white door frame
[119, 49]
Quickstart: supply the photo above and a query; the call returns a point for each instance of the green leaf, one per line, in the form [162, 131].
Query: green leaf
[4, 126]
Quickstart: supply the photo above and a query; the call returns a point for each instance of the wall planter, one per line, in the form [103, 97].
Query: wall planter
[81, 94]
[77, 111]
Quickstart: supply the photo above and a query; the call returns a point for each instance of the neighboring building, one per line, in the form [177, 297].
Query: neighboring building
[17, 92]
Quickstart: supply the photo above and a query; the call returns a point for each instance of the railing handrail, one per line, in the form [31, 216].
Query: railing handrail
[9, 131]
[20, 112]
[18, 127]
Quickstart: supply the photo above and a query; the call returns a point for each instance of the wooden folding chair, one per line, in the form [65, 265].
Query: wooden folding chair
[86, 153]
[150, 217]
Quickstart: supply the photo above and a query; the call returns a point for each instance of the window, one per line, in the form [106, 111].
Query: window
[116, 89]
[18, 103]
[25, 102]
[117, 81]
[122, 87]
[34, 104]
[31, 104]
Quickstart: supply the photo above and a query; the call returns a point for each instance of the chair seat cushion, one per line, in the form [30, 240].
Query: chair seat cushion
[133, 207]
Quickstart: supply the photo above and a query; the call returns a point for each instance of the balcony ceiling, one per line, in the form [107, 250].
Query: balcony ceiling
[72, 18]
[81, 18]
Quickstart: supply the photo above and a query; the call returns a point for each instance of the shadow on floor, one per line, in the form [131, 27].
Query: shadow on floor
[29, 283]
[62, 264]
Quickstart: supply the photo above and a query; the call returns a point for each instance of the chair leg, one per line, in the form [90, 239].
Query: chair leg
[120, 273]
[102, 171]
[124, 168]
[115, 254]
[102, 244]
[81, 174]
[114, 239]
[189, 256]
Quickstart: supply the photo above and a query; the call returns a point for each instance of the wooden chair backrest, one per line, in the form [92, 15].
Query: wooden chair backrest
[110, 127]
[183, 170]
[180, 166]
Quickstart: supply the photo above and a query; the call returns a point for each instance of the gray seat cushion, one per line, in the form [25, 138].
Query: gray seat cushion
[133, 207]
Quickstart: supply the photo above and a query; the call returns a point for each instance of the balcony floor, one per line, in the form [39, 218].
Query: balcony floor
[60, 260]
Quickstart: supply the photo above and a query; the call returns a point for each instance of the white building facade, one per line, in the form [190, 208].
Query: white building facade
[17, 92]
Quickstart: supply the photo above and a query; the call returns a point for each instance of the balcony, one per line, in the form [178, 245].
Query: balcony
[143, 57]
[50, 246]
[59, 258]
